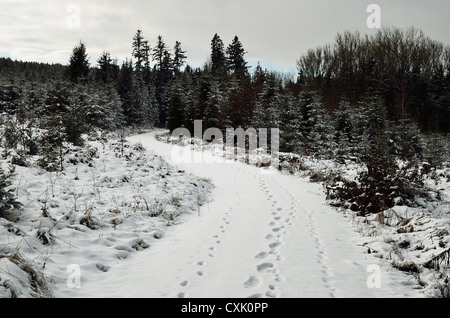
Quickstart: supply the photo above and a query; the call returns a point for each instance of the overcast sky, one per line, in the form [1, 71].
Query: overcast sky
[273, 32]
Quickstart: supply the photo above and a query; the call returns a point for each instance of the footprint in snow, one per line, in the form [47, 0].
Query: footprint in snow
[264, 266]
[253, 281]
[256, 296]
[274, 245]
[261, 255]
[271, 294]
[103, 268]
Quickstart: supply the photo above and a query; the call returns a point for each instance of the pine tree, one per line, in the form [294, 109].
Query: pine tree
[151, 110]
[108, 69]
[146, 72]
[127, 91]
[9, 98]
[159, 52]
[163, 84]
[213, 107]
[235, 59]
[52, 147]
[218, 57]
[192, 111]
[34, 100]
[179, 57]
[98, 109]
[175, 114]
[320, 135]
[405, 140]
[291, 123]
[57, 99]
[268, 105]
[79, 64]
[9, 204]
[74, 120]
[140, 49]
[437, 149]
[344, 130]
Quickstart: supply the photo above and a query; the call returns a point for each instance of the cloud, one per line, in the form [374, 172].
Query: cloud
[276, 32]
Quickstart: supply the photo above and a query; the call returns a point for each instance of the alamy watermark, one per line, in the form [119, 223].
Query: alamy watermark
[374, 279]
[73, 20]
[251, 145]
[74, 279]
[374, 19]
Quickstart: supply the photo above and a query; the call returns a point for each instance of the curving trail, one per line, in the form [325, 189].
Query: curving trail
[263, 235]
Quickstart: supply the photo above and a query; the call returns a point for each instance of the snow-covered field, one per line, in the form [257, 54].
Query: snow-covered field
[113, 201]
[141, 224]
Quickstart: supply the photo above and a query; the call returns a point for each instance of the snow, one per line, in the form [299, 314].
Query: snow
[263, 235]
[105, 207]
[230, 230]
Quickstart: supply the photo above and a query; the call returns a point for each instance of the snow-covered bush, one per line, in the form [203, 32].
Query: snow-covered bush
[8, 201]
[378, 189]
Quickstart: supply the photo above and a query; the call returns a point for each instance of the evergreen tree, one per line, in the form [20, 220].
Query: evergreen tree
[268, 105]
[151, 107]
[437, 150]
[344, 130]
[259, 77]
[158, 54]
[9, 98]
[291, 125]
[218, 57]
[179, 57]
[163, 84]
[52, 147]
[374, 145]
[8, 201]
[140, 50]
[79, 64]
[305, 99]
[34, 98]
[108, 69]
[104, 108]
[405, 140]
[127, 90]
[320, 135]
[74, 120]
[57, 99]
[175, 114]
[235, 59]
[146, 72]
[192, 111]
[213, 106]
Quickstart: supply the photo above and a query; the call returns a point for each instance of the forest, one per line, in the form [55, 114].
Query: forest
[377, 99]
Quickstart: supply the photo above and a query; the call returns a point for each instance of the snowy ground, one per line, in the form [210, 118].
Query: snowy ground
[259, 233]
[114, 200]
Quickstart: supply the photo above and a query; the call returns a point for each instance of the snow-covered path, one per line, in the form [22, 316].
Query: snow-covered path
[263, 235]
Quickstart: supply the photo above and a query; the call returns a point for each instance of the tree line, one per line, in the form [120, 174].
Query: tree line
[377, 99]
[400, 76]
